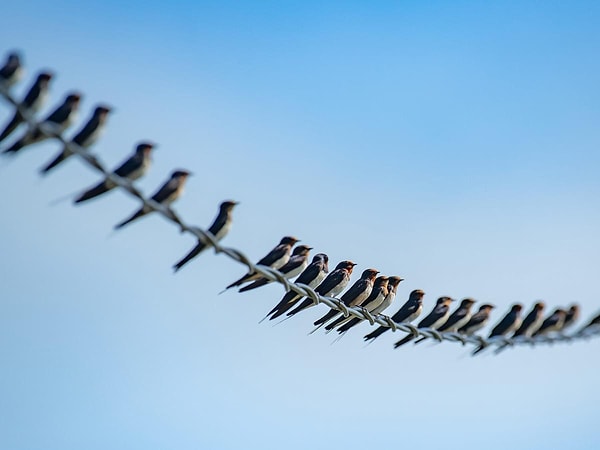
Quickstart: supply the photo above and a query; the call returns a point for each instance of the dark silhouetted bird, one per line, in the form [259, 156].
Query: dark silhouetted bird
[477, 320]
[166, 195]
[572, 316]
[457, 319]
[33, 101]
[12, 71]
[375, 300]
[552, 323]
[509, 323]
[532, 321]
[435, 319]
[407, 313]
[275, 259]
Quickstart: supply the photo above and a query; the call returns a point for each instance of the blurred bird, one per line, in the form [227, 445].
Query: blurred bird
[552, 323]
[297, 263]
[58, 121]
[509, 323]
[477, 320]
[219, 229]
[407, 313]
[354, 296]
[457, 319]
[12, 71]
[132, 169]
[312, 276]
[86, 137]
[435, 319]
[532, 321]
[331, 286]
[594, 323]
[375, 300]
[572, 316]
[170, 191]
[33, 101]
[275, 259]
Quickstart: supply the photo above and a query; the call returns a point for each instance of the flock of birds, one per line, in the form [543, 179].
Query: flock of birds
[372, 293]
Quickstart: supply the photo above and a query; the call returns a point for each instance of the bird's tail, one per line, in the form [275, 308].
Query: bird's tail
[348, 325]
[137, 215]
[283, 306]
[375, 334]
[477, 350]
[403, 341]
[15, 147]
[327, 317]
[11, 126]
[254, 285]
[55, 162]
[97, 190]
[305, 304]
[191, 255]
[339, 321]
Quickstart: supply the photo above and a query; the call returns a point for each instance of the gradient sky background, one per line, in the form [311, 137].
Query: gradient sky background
[453, 143]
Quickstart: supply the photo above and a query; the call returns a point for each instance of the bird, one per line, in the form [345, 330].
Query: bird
[532, 322]
[12, 71]
[552, 323]
[275, 259]
[219, 229]
[572, 316]
[312, 276]
[509, 323]
[86, 137]
[33, 101]
[358, 293]
[407, 313]
[132, 169]
[332, 285]
[170, 191]
[457, 319]
[435, 319]
[594, 323]
[379, 293]
[58, 121]
[296, 264]
[393, 283]
[477, 320]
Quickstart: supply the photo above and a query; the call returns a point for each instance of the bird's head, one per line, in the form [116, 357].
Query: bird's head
[228, 205]
[73, 98]
[394, 281]
[302, 250]
[181, 174]
[145, 148]
[44, 78]
[289, 240]
[369, 274]
[467, 302]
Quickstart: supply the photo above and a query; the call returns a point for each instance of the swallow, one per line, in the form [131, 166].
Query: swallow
[59, 120]
[509, 323]
[33, 101]
[170, 191]
[392, 288]
[275, 259]
[12, 71]
[457, 319]
[312, 276]
[219, 229]
[375, 300]
[332, 285]
[572, 316]
[477, 320]
[554, 322]
[296, 264]
[132, 169]
[592, 324]
[407, 313]
[435, 319]
[358, 293]
[532, 322]
[86, 137]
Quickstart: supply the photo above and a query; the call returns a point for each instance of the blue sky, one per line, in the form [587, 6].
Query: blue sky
[452, 143]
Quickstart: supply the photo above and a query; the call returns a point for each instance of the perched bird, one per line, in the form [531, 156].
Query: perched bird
[572, 316]
[393, 283]
[332, 285]
[12, 71]
[592, 324]
[275, 259]
[375, 300]
[296, 264]
[552, 323]
[477, 320]
[407, 313]
[435, 319]
[354, 296]
[219, 229]
[509, 323]
[532, 321]
[457, 319]
[170, 191]
[58, 121]
[312, 276]
[86, 137]
[33, 101]
[133, 168]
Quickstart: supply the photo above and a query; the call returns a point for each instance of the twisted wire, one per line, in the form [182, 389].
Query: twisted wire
[273, 275]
